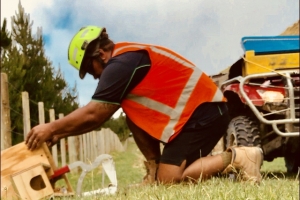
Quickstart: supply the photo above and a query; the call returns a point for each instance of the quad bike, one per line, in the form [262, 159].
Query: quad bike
[262, 91]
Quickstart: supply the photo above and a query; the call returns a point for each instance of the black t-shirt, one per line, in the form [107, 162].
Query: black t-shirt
[121, 74]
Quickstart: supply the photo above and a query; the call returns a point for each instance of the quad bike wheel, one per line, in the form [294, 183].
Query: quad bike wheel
[292, 161]
[243, 131]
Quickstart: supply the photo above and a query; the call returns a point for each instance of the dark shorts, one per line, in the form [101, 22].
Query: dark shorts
[199, 136]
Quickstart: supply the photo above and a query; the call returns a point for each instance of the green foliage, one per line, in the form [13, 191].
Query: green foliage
[5, 37]
[118, 126]
[29, 69]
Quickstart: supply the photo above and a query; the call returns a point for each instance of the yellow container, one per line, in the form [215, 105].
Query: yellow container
[256, 64]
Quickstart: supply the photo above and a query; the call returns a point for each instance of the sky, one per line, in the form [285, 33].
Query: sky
[207, 32]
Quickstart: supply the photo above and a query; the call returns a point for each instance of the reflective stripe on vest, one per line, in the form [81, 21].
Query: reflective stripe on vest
[186, 100]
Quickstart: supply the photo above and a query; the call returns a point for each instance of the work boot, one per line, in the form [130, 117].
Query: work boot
[247, 161]
[151, 168]
[150, 177]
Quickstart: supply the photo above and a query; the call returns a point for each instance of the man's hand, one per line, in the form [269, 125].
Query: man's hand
[38, 135]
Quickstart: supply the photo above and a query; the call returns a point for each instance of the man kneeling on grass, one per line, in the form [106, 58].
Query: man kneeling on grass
[165, 97]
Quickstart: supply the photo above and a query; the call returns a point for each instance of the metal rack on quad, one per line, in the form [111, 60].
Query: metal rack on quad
[263, 98]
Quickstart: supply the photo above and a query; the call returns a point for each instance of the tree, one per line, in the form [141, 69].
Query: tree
[29, 70]
[118, 126]
[5, 37]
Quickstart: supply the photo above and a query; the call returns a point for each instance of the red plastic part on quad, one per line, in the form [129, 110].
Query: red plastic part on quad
[252, 92]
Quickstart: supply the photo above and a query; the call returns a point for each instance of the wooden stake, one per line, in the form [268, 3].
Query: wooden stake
[54, 147]
[26, 113]
[41, 113]
[62, 146]
[5, 114]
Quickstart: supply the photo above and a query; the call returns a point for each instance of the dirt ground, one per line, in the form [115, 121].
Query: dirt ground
[292, 30]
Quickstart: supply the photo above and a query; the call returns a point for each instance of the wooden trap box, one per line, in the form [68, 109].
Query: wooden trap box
[26, 174]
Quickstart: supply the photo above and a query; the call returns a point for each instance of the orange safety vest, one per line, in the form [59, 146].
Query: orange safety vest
[167, 96]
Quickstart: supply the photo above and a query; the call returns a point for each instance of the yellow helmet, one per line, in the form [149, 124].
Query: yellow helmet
[79, 44]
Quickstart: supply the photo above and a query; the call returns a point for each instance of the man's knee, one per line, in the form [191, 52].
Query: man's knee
[167, 177]
[168, 173]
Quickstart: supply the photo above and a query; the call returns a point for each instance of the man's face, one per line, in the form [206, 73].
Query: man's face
[94, 67]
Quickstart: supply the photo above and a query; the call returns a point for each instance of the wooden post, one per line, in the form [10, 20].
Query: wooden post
[80, 138]
[112, 140]
[102, 141]
[83, 147]
[106, 140]
[99, 146]
[88, 146]
[62, 146]
[72, 149]
[26, 113]
[54, 147]
[95, 145]
[92, 146]
[103, 131]
[5, 114]
[116, 141]
[41, 113]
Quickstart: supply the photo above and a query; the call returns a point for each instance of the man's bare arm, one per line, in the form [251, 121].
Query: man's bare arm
[80, 121]
[85, 119]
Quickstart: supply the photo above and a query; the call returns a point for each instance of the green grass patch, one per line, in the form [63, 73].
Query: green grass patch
[276, 184]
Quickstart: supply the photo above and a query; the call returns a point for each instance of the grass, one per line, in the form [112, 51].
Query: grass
[276, 184]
